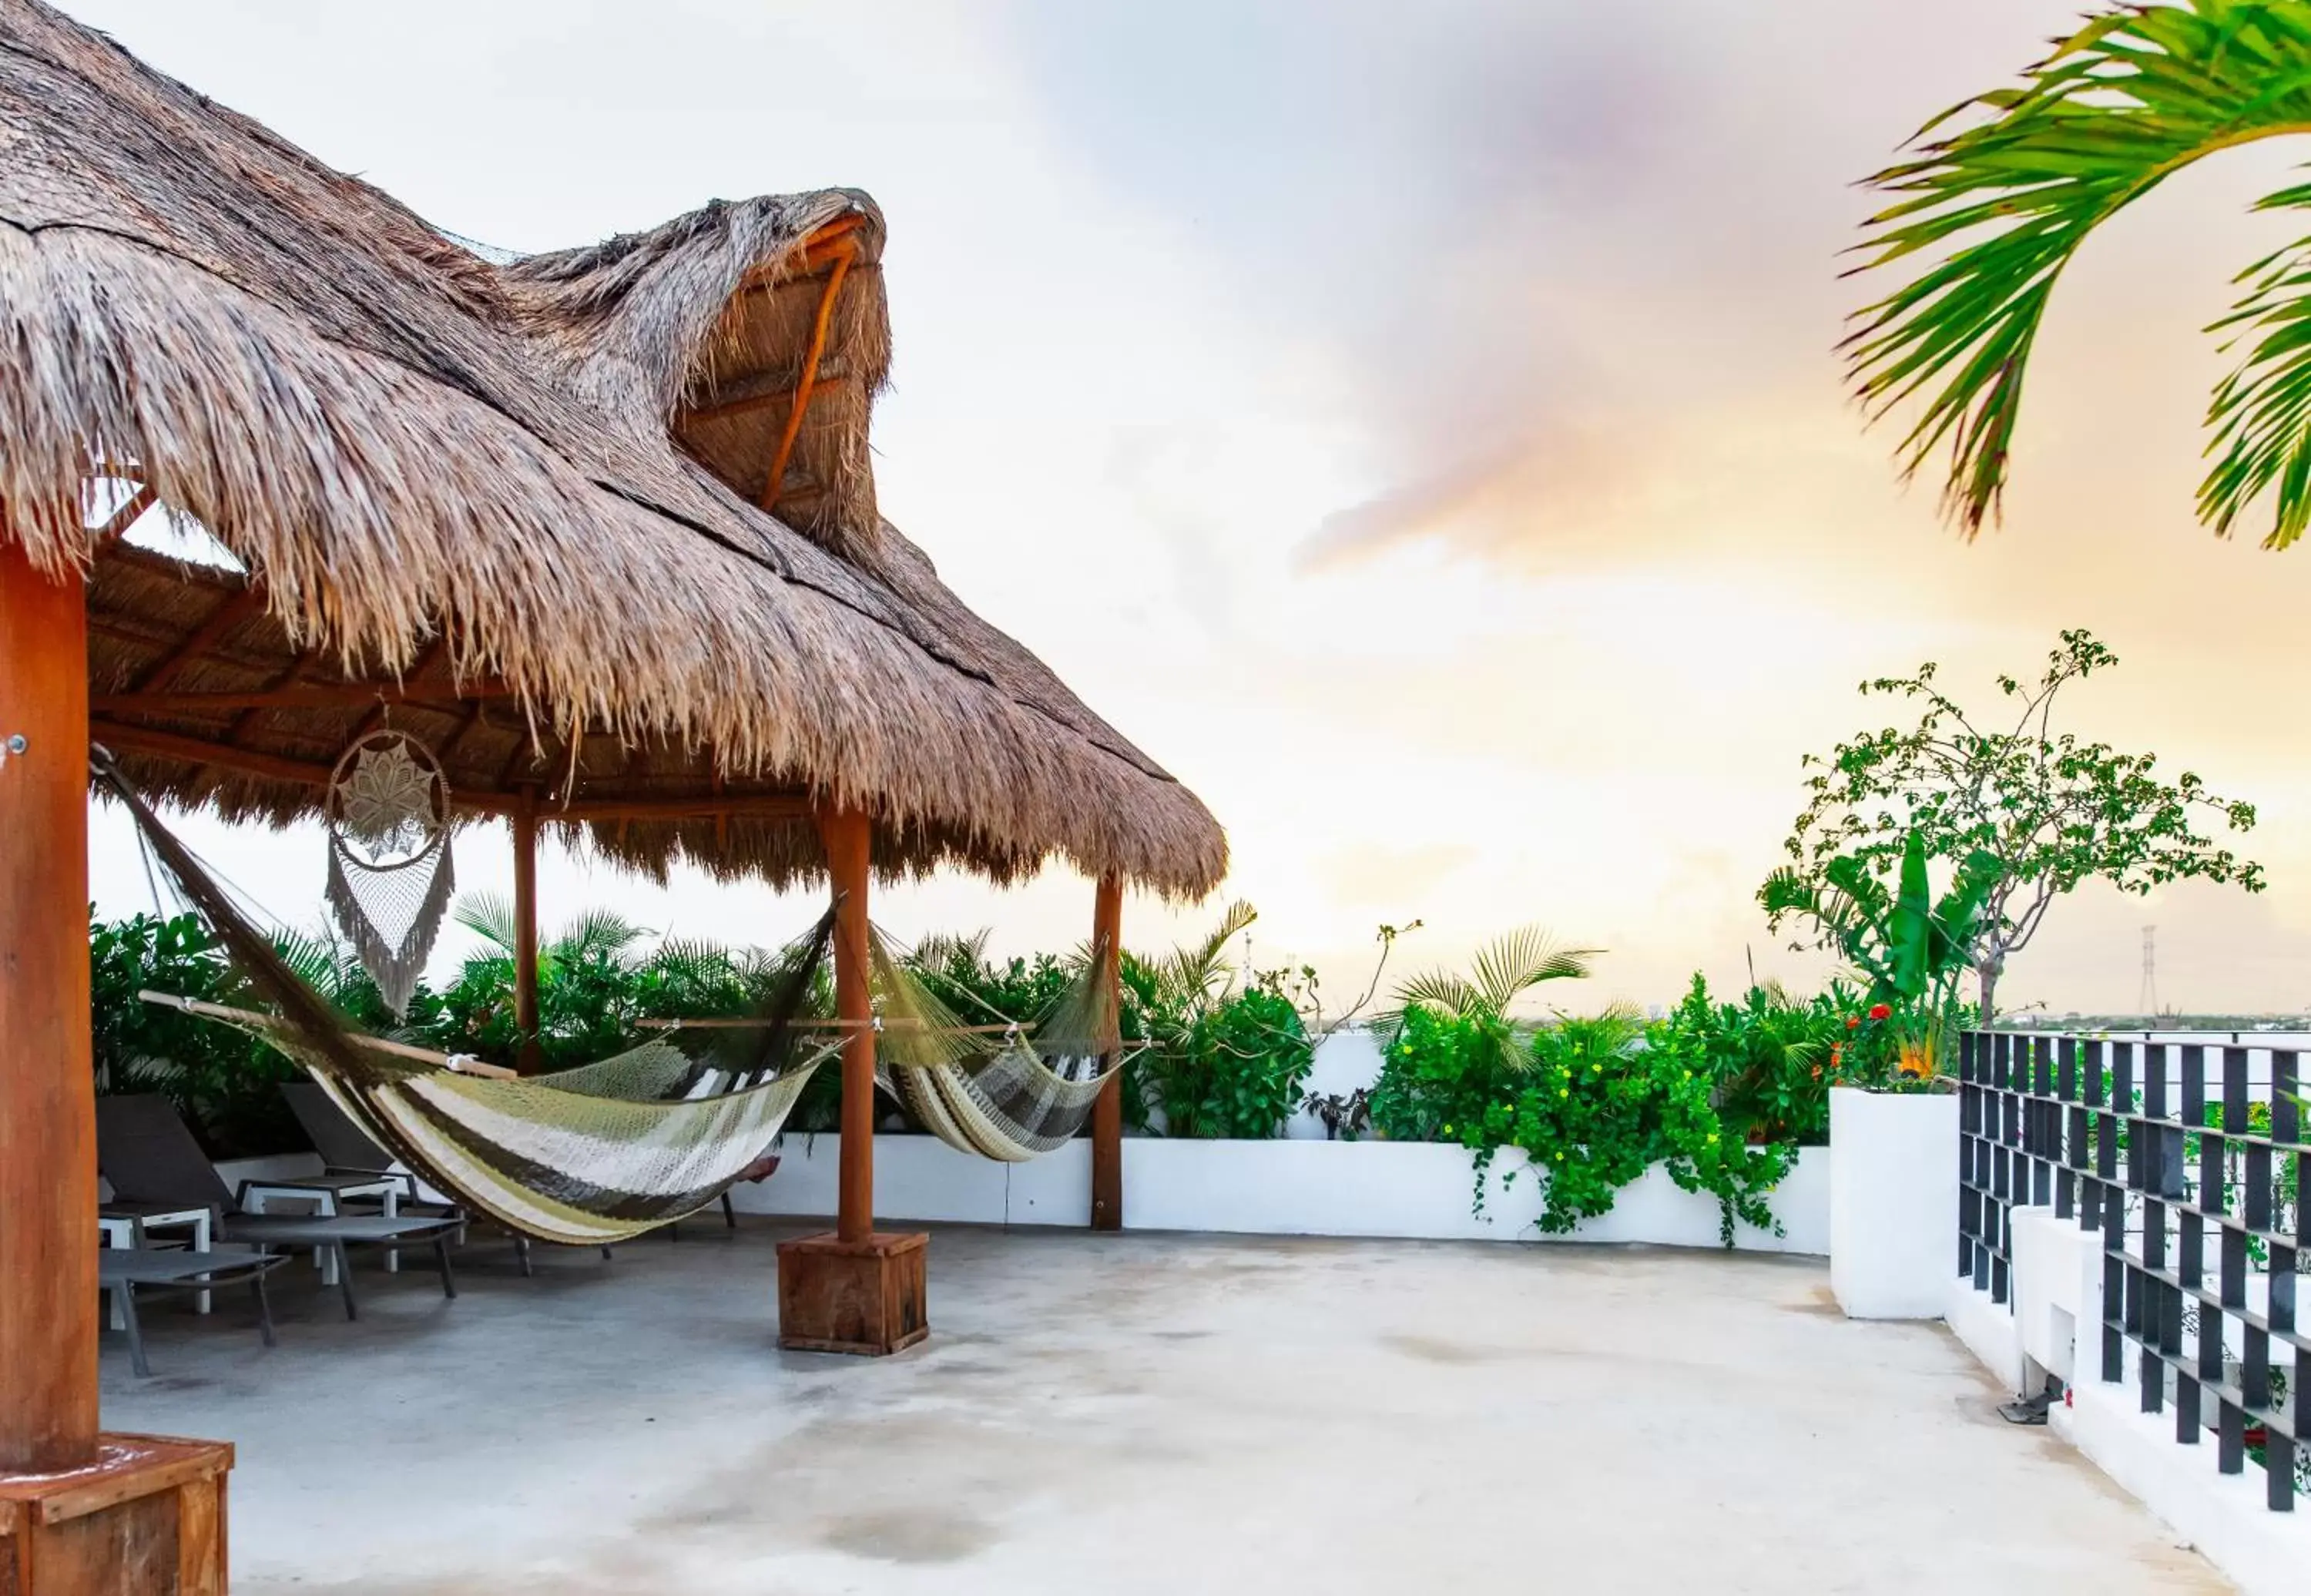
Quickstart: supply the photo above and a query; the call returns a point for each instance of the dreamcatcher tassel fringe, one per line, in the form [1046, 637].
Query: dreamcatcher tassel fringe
[394, 965]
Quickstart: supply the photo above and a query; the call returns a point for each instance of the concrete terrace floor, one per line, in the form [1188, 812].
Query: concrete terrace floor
[1129, 1414]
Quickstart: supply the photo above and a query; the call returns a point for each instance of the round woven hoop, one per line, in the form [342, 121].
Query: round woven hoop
[437, 824]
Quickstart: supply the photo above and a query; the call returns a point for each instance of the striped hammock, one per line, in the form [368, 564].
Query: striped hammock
[1012, 1103]
[586, 1156]
[592, 1155]
[570, 1165]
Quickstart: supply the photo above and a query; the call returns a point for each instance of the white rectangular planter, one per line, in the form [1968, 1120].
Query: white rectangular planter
[1893, 1202]
[1425, 1190]
[1420, 1190]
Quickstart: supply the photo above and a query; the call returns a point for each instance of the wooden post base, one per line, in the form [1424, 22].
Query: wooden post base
[145, 1519]
[863, 1297]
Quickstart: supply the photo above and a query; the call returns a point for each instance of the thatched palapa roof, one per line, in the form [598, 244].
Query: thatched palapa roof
[525, 503]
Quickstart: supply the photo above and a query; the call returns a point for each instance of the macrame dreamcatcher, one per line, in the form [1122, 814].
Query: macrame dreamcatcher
[390, 873]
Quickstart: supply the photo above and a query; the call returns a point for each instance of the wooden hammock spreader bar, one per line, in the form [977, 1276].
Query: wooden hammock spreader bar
[742, 1023]
[461, 1063]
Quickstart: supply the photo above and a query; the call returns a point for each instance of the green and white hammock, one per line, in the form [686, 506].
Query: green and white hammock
[587, 1156]
[1014, 1102]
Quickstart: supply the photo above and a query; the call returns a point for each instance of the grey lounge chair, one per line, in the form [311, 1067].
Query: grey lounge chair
[350, 1160]
[345, 1148]
[143, 1149]
[126, 1272]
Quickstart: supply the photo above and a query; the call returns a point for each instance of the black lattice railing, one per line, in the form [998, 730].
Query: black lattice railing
[2190, 1160]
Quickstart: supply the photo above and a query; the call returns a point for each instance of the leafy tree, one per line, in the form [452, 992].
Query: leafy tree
[2051, 810]
[1991, 213]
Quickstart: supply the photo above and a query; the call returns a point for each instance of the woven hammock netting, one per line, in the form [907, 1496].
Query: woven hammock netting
[587, 1156]
[1014, 1101]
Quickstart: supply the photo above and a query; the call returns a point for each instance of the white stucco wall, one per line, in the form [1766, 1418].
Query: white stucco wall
[1893, 1203]
[2054, 1326]
[1412, 1189]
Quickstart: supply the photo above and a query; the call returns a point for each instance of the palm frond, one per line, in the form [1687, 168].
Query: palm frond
[597, 931]
[318, 959]
[1502, 971]
[950, 950]
[1192, 973]
[1441, 990]
[488, 915]
[1999, 208]
[1523, 959]
[694, 961]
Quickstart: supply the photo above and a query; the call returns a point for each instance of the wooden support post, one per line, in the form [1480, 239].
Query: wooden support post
[48, 1082]
[525, 932]
[847, 846]
[1107, 1113]
[856, 1289]
[79, 1514]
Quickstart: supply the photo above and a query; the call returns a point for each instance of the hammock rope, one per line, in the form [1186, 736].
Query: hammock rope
[589, 1156]
[1016, 1101]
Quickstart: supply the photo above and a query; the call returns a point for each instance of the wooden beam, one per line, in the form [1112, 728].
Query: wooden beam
[48, 1090]
[849, 840]
[1107, 1110]
[845, 250]
[820, 244]
[235, 608]
[120, 736]
[530, 1057]
[474, 716]
[759, 393]
[129, 513]
[247, 719]
[274, 767]
[735, 805]
[332, 696]
[528, 750]
[425, 661]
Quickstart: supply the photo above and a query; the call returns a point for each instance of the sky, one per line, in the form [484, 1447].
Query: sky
[1419, 428]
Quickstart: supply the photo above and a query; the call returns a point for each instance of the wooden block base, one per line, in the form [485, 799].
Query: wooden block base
[863, 1297]
[145, 1519]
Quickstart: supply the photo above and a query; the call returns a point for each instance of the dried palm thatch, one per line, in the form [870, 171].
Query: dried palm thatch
[600, 525]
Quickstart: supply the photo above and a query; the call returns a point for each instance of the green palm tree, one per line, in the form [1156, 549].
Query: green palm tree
[1994, 212]
[1504, 971]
